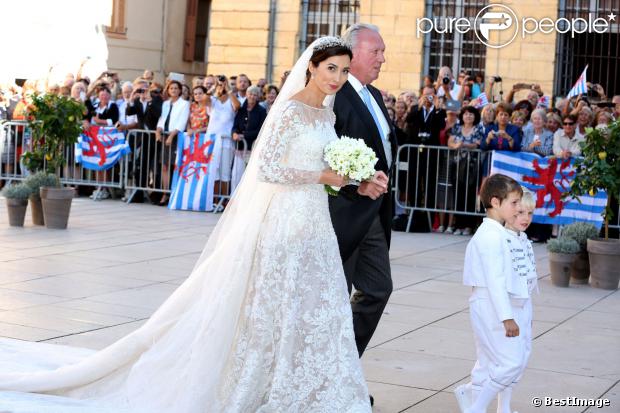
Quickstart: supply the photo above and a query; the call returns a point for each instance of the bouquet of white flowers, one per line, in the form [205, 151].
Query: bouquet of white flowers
[351, 158]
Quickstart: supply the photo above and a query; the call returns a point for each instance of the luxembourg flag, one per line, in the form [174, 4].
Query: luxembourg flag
[482, 100]
[190, 184]
[543, 102]
[580, 87]
[548, 178]
[100, 148]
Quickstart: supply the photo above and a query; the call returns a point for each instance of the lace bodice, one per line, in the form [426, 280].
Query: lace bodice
[293, 152]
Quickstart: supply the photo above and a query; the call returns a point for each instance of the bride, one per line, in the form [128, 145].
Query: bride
[263, 323]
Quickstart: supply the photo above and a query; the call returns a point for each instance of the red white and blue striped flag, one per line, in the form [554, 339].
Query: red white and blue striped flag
[548, 178]
[482, 100]
[580, 87]
[191, 189]
[100, 148]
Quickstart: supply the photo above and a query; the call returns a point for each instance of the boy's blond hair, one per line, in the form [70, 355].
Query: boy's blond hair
[527, 200]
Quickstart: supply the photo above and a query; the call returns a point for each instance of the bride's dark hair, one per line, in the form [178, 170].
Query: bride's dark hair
[325, 53]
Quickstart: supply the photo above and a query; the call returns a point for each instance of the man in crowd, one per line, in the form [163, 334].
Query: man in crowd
[243, 83]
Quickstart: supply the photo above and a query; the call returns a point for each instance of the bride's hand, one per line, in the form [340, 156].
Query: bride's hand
[329, 177]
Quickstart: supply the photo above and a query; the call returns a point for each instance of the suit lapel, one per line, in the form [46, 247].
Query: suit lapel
[359, 107]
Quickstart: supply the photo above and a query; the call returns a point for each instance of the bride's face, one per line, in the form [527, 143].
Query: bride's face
[331, 73]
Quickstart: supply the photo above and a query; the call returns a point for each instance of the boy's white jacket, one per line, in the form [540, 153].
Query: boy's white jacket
[489, 264]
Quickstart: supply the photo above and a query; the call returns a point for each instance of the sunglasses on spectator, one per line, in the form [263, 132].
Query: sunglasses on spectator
[568, 123]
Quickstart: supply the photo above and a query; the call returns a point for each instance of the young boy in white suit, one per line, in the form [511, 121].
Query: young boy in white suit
[524, 269]
[497, 299]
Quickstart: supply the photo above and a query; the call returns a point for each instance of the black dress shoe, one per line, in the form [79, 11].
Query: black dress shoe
[372, 400]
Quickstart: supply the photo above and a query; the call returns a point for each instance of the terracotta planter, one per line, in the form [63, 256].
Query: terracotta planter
[580, 269]
[56, 206]
[17, 211]
[36, 209]
[604, 263]
[560, 266]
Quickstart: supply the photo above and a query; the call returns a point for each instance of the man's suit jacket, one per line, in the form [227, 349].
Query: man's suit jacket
[353, 214]
[149, 116]
[434, 123]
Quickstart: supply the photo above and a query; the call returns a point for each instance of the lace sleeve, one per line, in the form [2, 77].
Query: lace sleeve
[277, 143]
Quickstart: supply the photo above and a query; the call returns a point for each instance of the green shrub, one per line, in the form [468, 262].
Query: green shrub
[19, 191]
[580, 232]
[40, 179]
[563, 245]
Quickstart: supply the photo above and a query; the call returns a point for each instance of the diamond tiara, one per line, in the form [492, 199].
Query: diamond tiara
[330, 41]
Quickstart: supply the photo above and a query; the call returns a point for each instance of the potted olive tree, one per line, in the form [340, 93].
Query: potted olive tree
[35, 182]
[16, 203]
[580, 232]
[599, 169]
[55, 122]
[562, 253]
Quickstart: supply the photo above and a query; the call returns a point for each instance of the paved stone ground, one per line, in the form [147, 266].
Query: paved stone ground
[100, 279]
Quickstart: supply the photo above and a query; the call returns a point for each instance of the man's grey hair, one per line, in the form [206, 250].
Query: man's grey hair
[350, 35]
[254, 89]
[127, 85]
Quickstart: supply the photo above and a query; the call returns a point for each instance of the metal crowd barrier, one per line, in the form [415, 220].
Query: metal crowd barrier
[14, 139]
[149, 160]
[74, 174]
[439, 179]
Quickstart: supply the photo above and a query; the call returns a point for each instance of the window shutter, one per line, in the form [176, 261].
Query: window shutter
[190, 30]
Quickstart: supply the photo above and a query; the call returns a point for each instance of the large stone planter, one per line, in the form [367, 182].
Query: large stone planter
[580, 270]
[604, 263]
[17, 211]
[56, 206]
[560, 267]
[36, 210]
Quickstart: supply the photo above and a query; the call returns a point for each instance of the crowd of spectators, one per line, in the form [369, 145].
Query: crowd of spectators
[468, 117]
[214, 104]
[463, 114]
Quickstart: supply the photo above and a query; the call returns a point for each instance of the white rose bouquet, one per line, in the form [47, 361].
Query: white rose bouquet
[351, 158]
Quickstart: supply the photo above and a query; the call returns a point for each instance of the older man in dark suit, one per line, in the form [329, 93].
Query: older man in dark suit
[362, 215]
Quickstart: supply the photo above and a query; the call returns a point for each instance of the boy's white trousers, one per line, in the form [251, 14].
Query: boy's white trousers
[500, 359]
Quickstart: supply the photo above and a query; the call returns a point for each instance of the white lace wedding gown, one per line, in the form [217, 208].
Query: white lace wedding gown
[291, 348]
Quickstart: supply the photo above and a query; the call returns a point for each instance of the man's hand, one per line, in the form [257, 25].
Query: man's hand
[375, 187]
[511, 327]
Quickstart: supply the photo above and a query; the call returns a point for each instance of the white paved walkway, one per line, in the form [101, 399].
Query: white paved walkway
[100, 279]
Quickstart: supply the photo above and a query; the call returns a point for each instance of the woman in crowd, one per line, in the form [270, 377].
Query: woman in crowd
[270, 97]
[487, 116]
[501, 135]
[78, 92]
[584, 120]
[538, 139]
[465, 137]
[603, 119]
[199, 111]
[445, 174]
[224, 106]
[173, 119]
[249, 119]
[400, 121]
[185, 93]
[524, 106]
[518, 119]
[103, 113]
[566, 140]
[554, 122]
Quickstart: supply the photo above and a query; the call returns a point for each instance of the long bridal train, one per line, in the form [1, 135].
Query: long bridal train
[262, 324]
